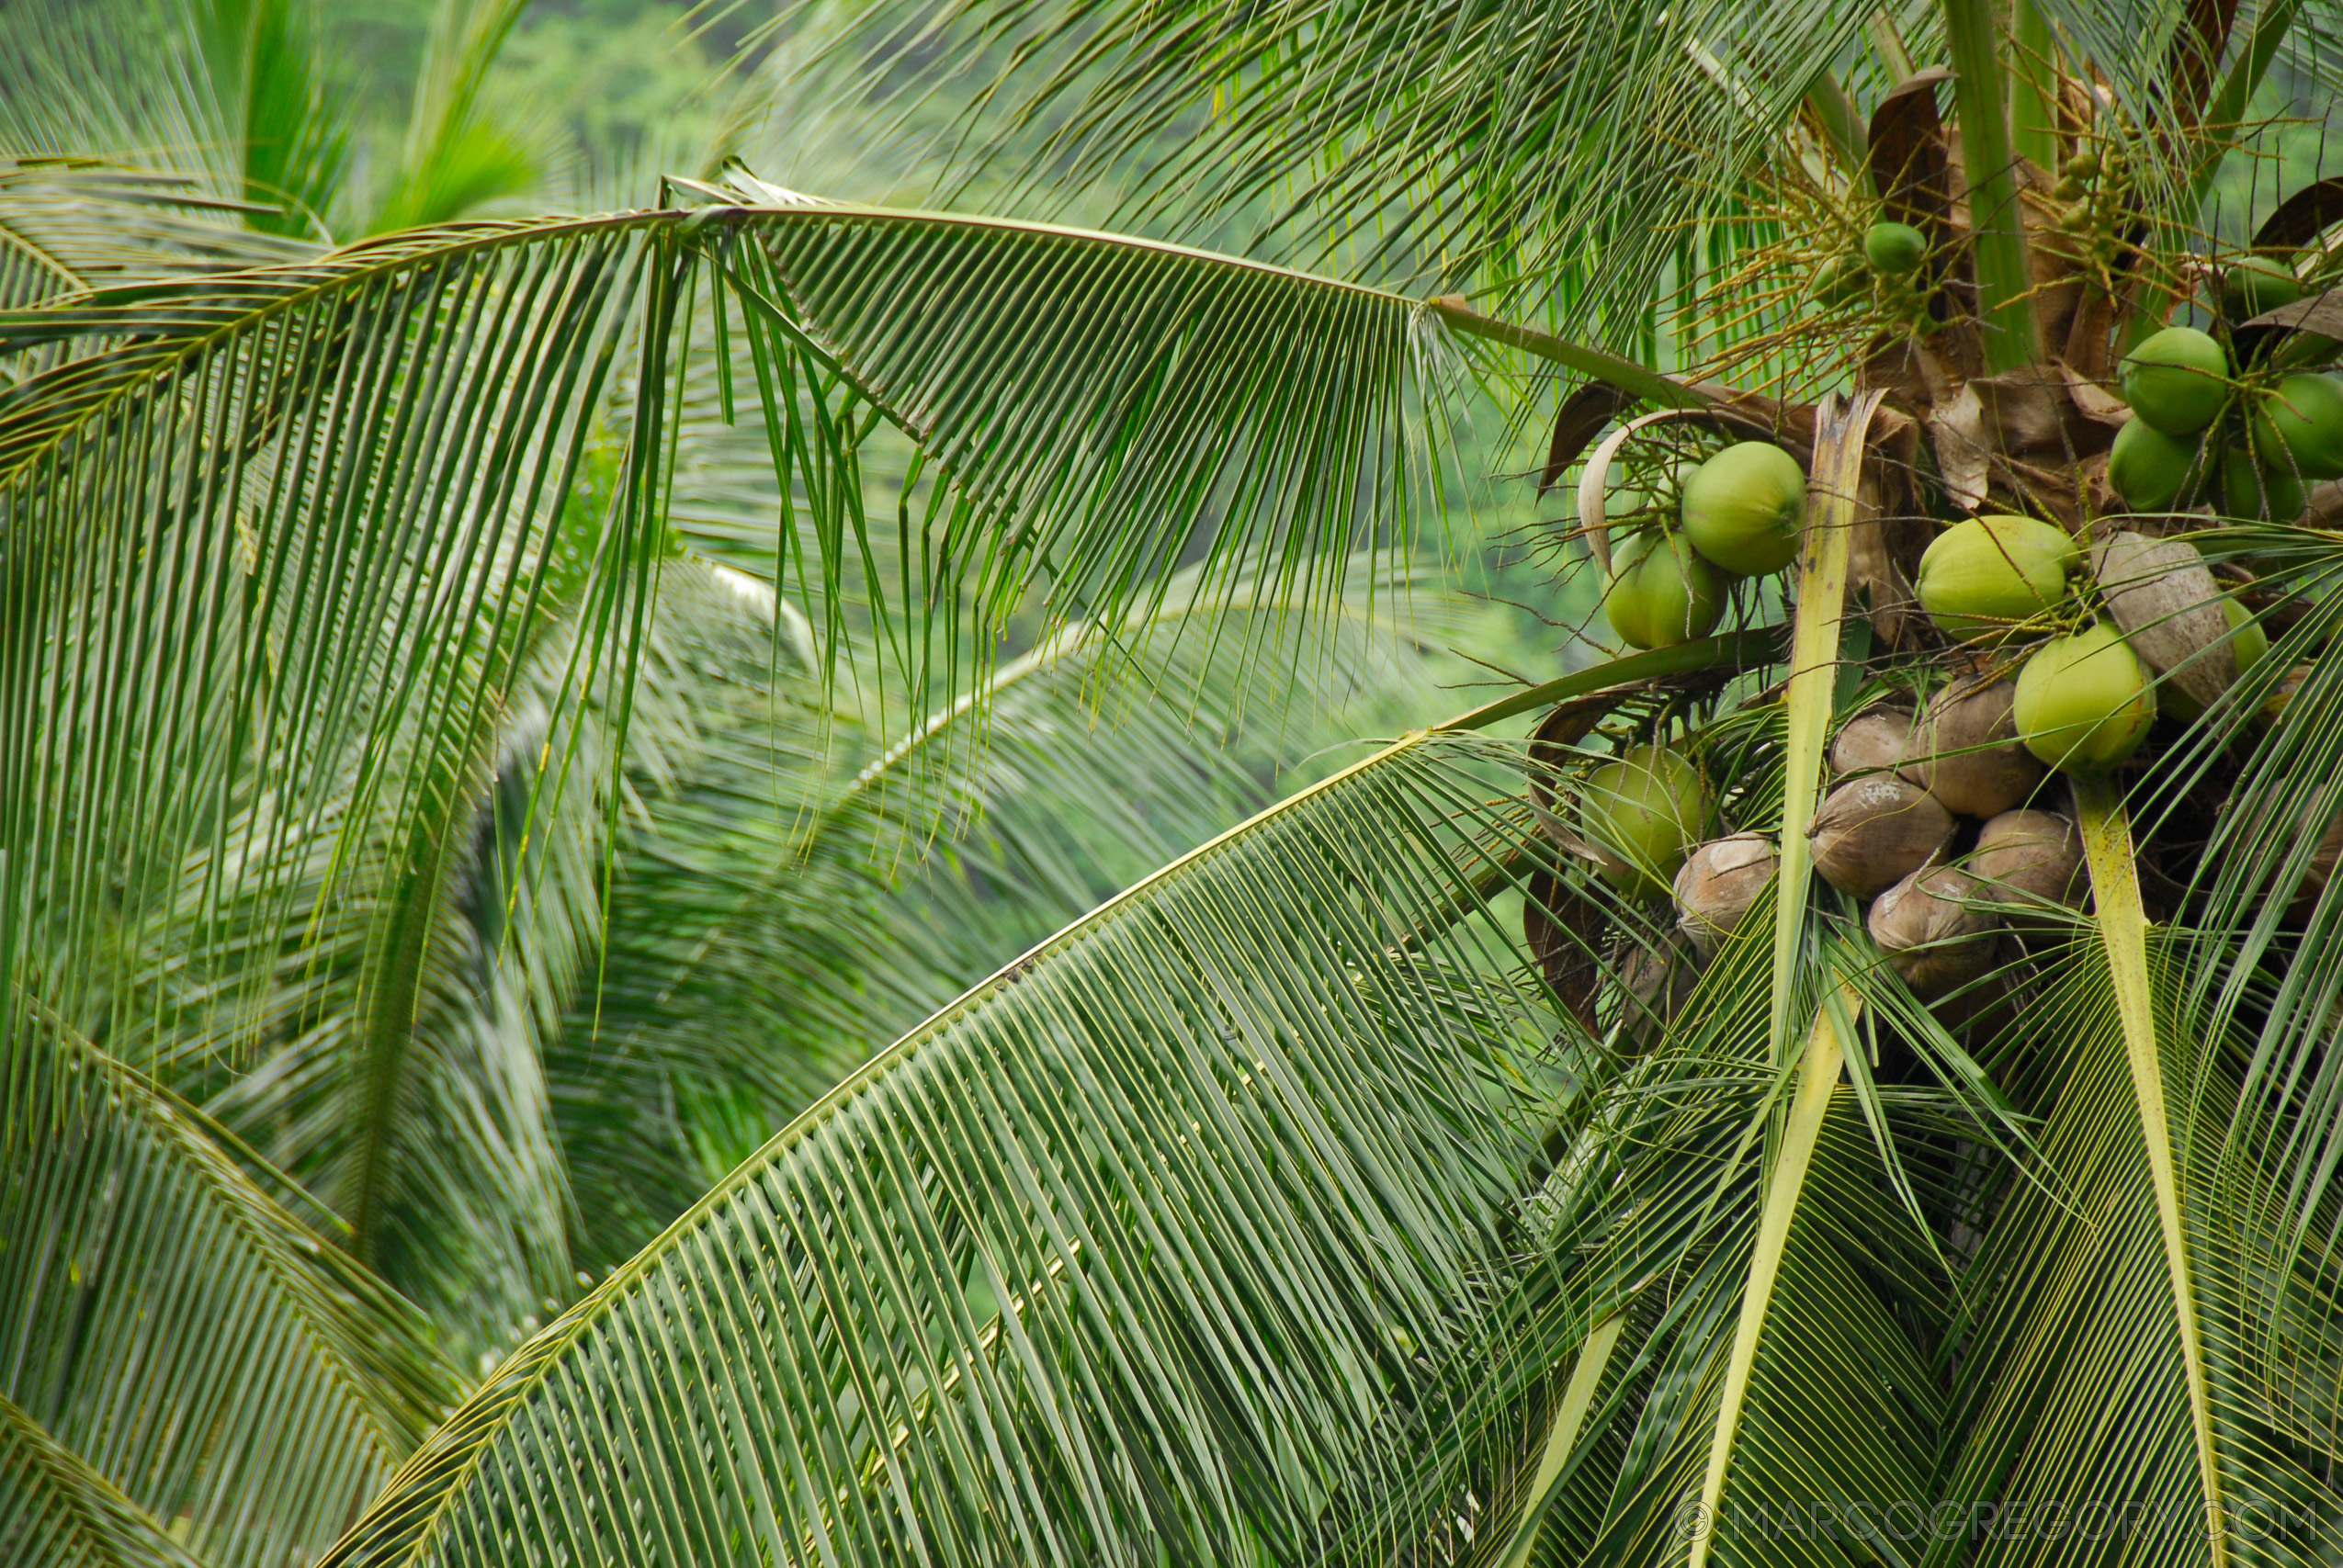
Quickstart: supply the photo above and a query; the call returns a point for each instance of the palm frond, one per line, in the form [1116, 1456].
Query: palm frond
[70, 225]
[1484, 144]
[1276, 1065]
[757, 946]
[2078, 1390]
[330, 485]
[55, 1510]
[131, 1223]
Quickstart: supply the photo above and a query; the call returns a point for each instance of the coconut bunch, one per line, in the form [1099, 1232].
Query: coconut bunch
[2239, 424]
[2031, 534]
[1735, 514]
[1640, 824]
[1913, 786]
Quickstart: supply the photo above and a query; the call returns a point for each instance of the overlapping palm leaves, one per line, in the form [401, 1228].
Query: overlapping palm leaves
[252, 786]
[1280, 1207]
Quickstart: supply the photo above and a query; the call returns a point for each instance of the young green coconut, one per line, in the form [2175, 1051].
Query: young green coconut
[1988, 574]
[1743, 508]
[1642, 811]
[1894, 249]
[1874, 742]
[2254, 284]
[2085, 701]
[2160, 593]
[1716, 884]
[1935, 929]
[1964, 749]
[2030, 861]
[2249, 490]
[1875, 831]
[2150, 469]
[1662, 592]
[2177, 380]
[2298, 427]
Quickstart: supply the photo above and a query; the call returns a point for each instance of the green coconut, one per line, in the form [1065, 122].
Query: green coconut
[2298, 428]
[1662, 592]
[1642, 810]
[2247, 645]
[2249, 491]
[2255, 283]
[1988, 574]
[1894, 249]
[2085, 701]
[2149, 468]
[1840, 281]
[1743, 508]
[2177, 380]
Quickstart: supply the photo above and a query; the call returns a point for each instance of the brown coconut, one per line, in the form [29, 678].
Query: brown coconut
[2029, 860]
[2169, 608]
[1934, 934]
[1716, 884]
[1875, 831]
[2321, 871]
[1873, 741]
[2273, 707]
[1965, 750]
[1654, 983]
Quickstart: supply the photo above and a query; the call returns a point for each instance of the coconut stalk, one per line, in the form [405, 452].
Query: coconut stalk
[1836, 482]
[2122, 924]
[1981, 88]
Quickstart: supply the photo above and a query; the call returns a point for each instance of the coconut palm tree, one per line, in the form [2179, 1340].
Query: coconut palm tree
[1387, 1178]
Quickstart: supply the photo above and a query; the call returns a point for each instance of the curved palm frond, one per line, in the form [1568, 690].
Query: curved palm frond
[330, 483]
[754, 952]
[70, 225]
[142, 1261]
[280, 546]
[1581, 161]
[1251, 1046]
[58, 1511]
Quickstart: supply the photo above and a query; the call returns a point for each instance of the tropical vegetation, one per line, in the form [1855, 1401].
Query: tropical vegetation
[527, 740]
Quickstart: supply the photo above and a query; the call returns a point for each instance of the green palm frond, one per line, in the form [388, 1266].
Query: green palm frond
[756, 948]
[363, 550]
[1252, 1050]
[1481, 145]
[395, 1064]
[70, 225]
[131, 1222]
[2076, 1389]
[1582, 161]
[229, 94]
[58, 1511]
